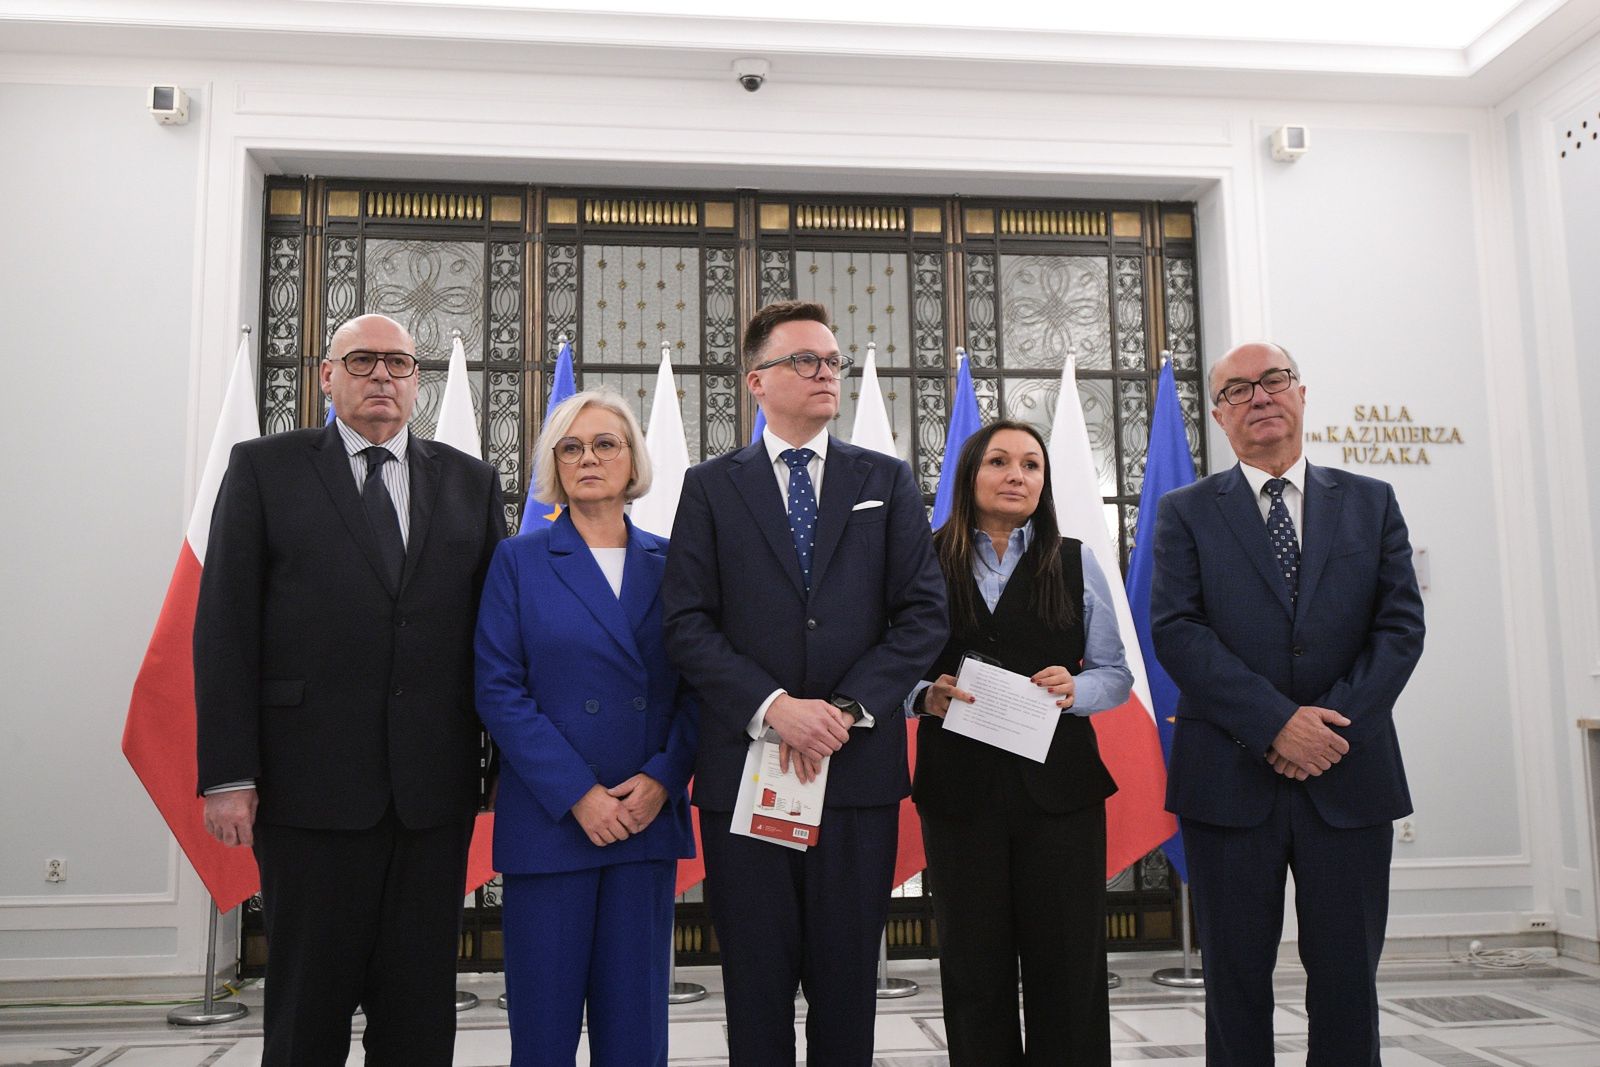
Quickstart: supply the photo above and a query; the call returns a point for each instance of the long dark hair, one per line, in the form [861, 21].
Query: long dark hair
[954, 542]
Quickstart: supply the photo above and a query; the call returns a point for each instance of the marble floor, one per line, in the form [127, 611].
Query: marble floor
[1435, 1012]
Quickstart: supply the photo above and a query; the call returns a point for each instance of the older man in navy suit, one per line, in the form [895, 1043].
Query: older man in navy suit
[802, 595]
[1286, 609]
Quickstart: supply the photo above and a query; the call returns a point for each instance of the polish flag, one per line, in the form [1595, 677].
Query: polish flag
[458, 428]
[159, 736]
[1130, 745]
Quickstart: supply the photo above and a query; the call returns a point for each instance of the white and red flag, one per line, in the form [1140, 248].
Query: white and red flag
[1130, 745]
[458, 427]
[159, 736]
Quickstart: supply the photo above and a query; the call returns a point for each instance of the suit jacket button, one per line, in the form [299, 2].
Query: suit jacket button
[400, 622]
[591, 706]
[811, 624]
[398, 691]
[1298, 650]
[638, 703]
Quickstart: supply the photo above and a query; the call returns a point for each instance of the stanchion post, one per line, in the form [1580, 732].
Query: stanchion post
[208, 1011]
[891, 988]
[1187, 976]
[682, 992]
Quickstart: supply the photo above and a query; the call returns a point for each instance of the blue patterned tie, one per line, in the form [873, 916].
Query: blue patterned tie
[802, 507]
[1280, 531]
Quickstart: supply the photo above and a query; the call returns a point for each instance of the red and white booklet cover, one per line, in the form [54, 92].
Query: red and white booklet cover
[773, 804]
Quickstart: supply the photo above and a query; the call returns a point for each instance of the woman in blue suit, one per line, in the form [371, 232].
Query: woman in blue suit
[596, 738]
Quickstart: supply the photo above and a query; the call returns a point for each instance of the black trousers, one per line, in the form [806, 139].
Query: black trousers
[1341, 880]
[811, 917]
[1016, 883]
[362, 918]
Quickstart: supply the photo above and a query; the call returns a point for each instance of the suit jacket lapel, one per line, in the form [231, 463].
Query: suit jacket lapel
[641, 581]
[575, 565]
[1243, 517]
[423, 460]
[1320, 520]
[842, 478]
[333, 467]
[758, 486]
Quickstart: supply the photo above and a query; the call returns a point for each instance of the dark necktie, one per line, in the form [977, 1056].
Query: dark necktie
[1280, 531]
[379, 506]
[802, 507]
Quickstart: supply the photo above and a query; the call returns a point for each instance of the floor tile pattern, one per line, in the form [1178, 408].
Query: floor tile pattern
[1435, 1014]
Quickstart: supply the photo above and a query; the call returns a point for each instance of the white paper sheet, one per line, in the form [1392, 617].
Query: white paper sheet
[1010, 712]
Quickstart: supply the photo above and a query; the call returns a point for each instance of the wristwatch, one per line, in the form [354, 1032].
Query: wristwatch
[849, 706]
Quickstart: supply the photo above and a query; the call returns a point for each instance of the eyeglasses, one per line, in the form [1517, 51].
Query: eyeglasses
[809, 364]
[362, 364]
[1274, 381]
[569, 450]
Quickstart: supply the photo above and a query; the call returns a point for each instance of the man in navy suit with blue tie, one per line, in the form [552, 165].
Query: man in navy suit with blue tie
[802, 595]
[1285, 607]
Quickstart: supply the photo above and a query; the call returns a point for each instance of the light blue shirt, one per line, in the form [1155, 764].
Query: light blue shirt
[1105, 680]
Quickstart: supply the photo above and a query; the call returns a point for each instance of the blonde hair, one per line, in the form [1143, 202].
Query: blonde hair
[547, 480]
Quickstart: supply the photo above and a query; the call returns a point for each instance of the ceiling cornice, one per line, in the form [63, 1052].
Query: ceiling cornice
[1517, 48]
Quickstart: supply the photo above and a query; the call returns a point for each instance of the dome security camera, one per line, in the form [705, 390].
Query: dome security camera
[751, 73]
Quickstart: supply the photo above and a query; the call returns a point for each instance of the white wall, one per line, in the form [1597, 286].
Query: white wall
[1552, 396]
[1384, 259]
[99, 242]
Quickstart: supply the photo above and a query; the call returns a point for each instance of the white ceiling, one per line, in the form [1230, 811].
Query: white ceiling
[1473, 52]
[1453, 24]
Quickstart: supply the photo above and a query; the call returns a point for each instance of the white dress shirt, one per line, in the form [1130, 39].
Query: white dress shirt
[1294, 493]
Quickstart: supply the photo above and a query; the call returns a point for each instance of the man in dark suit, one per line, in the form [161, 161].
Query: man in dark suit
[334, 693]
[1286, 609]
[802, 595]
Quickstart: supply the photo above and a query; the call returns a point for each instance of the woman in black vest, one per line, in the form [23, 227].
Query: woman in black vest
[1016, 848]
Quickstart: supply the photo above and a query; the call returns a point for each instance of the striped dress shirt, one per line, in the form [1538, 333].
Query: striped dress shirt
[396, 475]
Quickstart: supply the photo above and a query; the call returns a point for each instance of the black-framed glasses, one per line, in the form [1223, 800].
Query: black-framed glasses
[1275, 380]
[809, 364]
[606, 447]
[362, 364]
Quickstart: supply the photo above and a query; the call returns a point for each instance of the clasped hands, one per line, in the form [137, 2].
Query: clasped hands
[810, 731]
[1057, 681]
[1307, 745]
[616, 814]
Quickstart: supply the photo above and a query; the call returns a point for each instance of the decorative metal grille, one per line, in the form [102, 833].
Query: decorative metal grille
[513, 269]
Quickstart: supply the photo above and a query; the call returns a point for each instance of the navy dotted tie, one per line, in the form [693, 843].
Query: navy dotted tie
[802, 507]
[1280, 531]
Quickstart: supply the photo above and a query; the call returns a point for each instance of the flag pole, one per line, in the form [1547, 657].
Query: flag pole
[1187, 976]
[682, 992]
[208, 1012]
[891, 988]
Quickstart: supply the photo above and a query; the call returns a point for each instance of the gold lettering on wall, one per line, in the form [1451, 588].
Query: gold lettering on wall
[1385, 435]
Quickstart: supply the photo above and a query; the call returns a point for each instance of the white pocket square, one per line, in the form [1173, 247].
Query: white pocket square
[865, 504]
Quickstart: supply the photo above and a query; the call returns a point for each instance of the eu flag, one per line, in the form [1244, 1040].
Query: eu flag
[537, 514]
[1167, 466]
[964, 422]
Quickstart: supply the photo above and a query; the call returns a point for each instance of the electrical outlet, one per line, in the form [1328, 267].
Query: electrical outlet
[55, 870]
[1406, 831]
[1538, 922]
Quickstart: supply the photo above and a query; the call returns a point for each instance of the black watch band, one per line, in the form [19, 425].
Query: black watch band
[849, 706]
